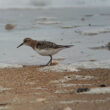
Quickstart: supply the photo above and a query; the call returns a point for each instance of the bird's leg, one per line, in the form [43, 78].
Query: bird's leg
[50, 61]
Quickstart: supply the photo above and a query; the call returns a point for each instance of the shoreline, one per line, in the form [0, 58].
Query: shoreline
[50, 7]
[59, 67]
[28, 88]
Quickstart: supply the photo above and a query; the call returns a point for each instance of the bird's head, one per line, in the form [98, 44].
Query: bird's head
[26, 41]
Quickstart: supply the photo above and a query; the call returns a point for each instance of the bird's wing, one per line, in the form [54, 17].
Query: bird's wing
[46, 45]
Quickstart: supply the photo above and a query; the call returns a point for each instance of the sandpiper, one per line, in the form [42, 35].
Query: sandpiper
[44, 48]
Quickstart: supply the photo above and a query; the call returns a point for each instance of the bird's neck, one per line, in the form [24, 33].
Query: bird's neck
[33, 44]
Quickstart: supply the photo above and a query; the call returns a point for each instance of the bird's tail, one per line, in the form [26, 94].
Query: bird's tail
[67, 46]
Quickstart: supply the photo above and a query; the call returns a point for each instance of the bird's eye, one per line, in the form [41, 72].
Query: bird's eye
[25, 41]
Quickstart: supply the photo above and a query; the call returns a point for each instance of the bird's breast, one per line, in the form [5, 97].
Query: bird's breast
[47, 52]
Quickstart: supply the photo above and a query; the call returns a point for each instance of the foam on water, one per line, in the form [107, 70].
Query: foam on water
[3, 65]
[94, 31]
[85, 101]
[74, 66]
[104, 90]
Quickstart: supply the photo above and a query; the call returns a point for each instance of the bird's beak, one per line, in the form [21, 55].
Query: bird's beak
[20, 45]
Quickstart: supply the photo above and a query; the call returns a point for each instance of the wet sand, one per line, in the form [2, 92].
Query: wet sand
[28, 89]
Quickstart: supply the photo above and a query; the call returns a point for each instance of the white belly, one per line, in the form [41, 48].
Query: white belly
[47, 52]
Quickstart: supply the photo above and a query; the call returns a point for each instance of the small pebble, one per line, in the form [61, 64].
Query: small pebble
[92, 60]
[82, 19]
[3, 104]
[54, 62]
[102, 85]
[89, 24]
[9, 26]
[82, 90]
[41, 100]
[67, 108]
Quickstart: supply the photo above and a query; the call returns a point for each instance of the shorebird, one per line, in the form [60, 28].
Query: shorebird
[44, 48]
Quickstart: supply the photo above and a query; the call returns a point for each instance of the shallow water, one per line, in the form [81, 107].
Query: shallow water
[52, 3]
[46, 24]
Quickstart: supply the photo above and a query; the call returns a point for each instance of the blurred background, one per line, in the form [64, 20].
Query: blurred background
[51, 3]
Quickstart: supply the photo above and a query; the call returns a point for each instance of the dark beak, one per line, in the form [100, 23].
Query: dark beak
[20, 45]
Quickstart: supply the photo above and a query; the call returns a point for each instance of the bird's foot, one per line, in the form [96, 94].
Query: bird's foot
[49, 64]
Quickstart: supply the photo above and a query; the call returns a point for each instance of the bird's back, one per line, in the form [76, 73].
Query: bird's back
[46, 48]
[47, 45]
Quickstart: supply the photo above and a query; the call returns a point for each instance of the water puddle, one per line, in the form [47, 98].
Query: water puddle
[64, 91]
[104, 90]
[2, 89]
[85, 101]
[73, 85]
[73, 77]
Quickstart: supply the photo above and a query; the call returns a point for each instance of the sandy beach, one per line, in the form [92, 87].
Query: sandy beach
[29, 89]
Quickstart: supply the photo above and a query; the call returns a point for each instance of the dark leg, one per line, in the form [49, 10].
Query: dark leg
[50, 61]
